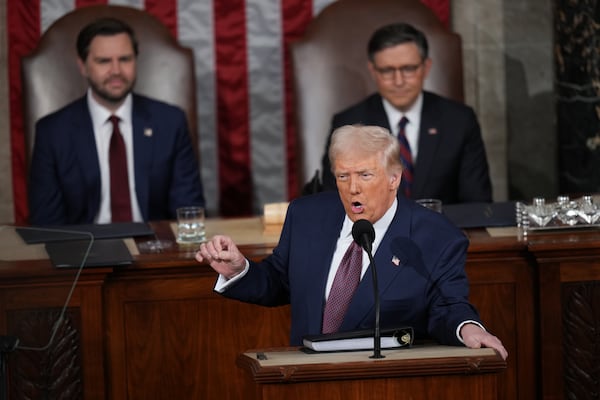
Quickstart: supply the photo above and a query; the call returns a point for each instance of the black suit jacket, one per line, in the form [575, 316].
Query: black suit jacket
[451, 164]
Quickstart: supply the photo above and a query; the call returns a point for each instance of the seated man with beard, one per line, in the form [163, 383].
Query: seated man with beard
[111, 155]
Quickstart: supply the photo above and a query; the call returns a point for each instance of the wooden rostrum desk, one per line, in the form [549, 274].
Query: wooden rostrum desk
[424, 372]
[156, 329]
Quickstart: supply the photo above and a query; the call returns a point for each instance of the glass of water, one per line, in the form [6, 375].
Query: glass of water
[190, 225]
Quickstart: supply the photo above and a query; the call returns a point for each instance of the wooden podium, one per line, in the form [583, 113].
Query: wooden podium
[424, 372]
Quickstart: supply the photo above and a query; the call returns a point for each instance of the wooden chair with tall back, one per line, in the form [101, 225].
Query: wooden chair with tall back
[51, 78]
[330, 65]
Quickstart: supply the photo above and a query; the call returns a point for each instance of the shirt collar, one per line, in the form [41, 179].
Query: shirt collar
[380, 225]
[100, 114]
[394, 115]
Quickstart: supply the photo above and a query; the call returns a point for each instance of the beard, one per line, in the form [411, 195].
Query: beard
[110, 96]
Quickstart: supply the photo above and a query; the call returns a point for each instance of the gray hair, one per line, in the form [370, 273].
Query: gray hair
[368, 140]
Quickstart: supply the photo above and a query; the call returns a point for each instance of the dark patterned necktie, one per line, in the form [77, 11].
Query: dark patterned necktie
[406, 157]
[344, 285]
[120, 203]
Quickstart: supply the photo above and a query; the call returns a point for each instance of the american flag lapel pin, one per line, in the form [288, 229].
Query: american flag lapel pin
[395, 261]
[432, 131]
[148, 132]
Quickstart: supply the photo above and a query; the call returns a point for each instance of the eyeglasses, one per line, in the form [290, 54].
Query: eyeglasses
[407, 71]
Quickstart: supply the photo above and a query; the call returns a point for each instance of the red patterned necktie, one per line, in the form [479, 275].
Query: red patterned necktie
[406, 157]
[120, 203]
[344, 285]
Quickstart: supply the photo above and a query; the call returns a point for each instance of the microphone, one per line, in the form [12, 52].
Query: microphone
[364, 235]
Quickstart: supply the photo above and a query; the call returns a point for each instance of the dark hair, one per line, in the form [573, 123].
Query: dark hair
[395, 34]
[103, 27]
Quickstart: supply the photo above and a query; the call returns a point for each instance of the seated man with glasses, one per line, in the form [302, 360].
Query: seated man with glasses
[441, 143]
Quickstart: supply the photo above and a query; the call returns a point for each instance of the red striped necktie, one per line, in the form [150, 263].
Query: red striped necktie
[120, 203]
[406, 157]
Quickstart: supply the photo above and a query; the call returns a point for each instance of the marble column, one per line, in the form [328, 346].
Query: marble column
[480, 26]
[577, 71]
[507, 56]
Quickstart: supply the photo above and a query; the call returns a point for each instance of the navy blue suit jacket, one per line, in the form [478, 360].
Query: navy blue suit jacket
[451, 163]
[64, 179]
[426, 288]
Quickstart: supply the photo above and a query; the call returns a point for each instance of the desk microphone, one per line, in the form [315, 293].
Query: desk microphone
[364, 234]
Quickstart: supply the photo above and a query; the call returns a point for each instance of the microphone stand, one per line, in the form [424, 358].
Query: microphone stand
[7, 345]
[364, 234]
[376, 333]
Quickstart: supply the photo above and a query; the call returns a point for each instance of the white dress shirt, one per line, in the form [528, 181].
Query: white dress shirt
[102, 132]
[412, 128]
[345, 239]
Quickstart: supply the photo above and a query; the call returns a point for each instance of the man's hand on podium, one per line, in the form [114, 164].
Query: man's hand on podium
[475, 337]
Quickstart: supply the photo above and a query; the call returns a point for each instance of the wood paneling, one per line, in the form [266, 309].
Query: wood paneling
[157, 330]
[568, 277]
[178, 330]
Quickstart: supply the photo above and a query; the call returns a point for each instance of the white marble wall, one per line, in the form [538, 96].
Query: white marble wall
[507, 53]
[480, 23]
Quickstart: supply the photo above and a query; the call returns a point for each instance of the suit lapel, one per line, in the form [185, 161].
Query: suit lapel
[429, 138]
[142, 153]
[319, 256]
[376, 113]
[84, 141]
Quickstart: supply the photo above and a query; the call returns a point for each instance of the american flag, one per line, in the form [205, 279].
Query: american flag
[245, 111]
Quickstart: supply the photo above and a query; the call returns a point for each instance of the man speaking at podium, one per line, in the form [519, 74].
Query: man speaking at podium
[419, 255]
